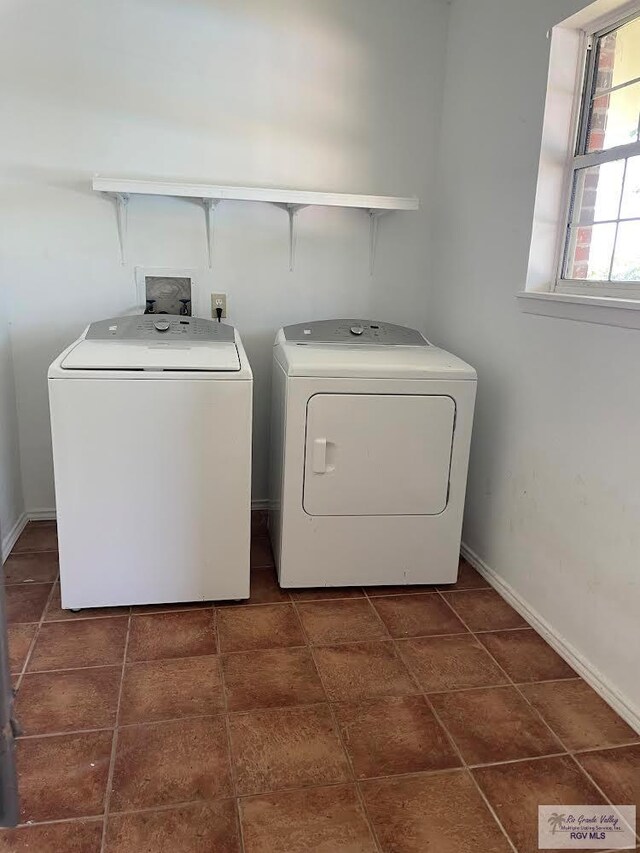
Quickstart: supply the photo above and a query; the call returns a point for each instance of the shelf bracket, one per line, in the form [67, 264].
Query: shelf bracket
[210, 205]
[374, 216]
[292, 211]
[122, 200]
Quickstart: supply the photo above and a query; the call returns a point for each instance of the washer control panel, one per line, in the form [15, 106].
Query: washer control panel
[171, 327]
[359, 332]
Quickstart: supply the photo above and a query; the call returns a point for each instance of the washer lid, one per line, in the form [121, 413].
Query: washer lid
[135, 355]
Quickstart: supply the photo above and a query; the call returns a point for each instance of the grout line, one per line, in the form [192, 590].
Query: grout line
[599, 748]
[395, 594]
[34, 639]
[53, 821]
[75, 668]
[383, 623]
[114, 743]
[66, 733]
[277, 708]
[32, 553]
[227, 729]
[495, 685]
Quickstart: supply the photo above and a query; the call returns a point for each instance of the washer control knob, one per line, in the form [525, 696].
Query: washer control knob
[162, 325]
[356, 330]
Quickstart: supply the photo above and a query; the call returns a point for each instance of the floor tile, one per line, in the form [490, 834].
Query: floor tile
[19, 637]
[25, 602]
[68, 701]
[493, 724]
[579, 717]
[164, 763]
[265, 588]
[468, 578]
[271, 678]
[187, 633]
[326, 593]
[261, 553]
[37, 536]
[417, 616]
[31, 568]
[169, 689]
[268, 626]
[87, 642]
[525, 656]
[341, 621]
[388, 737]
[439, 812]
[616, 772]
[78, 836]
[55, 612]
[286, 748]
[516, 790]
[450, 663]
[484, 610]
[356, 671]
[197, 828]
[323, 820]
[63, 776]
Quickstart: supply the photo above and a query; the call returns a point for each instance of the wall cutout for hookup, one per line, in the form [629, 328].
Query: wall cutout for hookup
[165, 291]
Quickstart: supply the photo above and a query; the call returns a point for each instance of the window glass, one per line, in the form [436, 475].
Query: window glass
[597, 193]
[631, 196]
[626, 256]
[614, 111]
[590, 251]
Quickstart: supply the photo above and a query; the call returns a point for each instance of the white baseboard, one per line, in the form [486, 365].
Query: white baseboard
[593, 677]
[41, 514]
[11, 537]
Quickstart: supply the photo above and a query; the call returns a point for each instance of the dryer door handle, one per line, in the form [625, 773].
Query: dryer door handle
[319, 462]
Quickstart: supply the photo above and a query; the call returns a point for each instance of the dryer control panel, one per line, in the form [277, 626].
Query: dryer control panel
[155, 327]
[358, 332]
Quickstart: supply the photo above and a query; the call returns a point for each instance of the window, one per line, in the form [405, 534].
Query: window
[601, 252]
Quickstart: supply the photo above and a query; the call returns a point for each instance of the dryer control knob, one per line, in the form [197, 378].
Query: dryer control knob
[162, 325]
[356, 330]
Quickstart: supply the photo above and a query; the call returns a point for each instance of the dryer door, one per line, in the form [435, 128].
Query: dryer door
[377, 454]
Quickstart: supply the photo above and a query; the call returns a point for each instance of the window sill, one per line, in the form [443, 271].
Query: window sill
[607, 311]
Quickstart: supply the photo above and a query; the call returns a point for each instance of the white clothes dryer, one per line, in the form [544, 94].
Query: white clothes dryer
[371, 427]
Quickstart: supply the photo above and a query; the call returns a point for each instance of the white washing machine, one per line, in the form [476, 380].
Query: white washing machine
[151, 428]
[371, 427]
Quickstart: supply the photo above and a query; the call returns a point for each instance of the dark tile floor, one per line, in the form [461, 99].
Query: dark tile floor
[378, 720]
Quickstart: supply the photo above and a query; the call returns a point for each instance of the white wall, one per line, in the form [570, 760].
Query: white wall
[553, 500]
[315, 94]
[11, 502]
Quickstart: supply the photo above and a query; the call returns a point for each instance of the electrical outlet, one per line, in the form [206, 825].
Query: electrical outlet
[218, 300]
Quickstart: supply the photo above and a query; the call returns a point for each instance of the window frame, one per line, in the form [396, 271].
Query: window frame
[581, 159]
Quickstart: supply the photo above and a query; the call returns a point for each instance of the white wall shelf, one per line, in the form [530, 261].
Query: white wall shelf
[292, 201]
